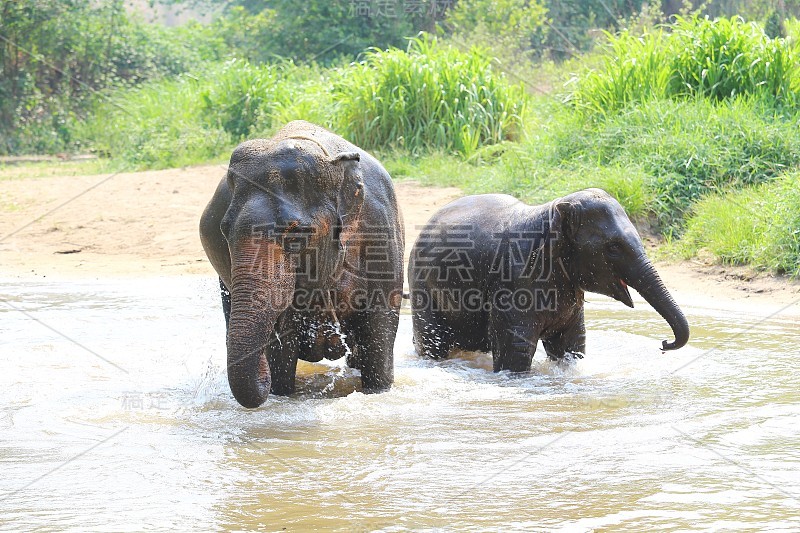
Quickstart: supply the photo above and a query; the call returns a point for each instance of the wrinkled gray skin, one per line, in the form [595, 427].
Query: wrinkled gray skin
[491, 246]
[301, 228]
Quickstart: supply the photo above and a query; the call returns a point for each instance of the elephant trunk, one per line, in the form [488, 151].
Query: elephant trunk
[262, 286]
[648, 283]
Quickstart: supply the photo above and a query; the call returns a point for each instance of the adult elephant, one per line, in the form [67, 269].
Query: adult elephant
[306, 236]
[491, 273]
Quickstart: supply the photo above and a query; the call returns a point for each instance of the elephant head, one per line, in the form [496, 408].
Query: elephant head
[292, 208]
[604, 254]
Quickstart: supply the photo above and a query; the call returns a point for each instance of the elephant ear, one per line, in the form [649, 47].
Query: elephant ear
[350, 199]
[565, 219]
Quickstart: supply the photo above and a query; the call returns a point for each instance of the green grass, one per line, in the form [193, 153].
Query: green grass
[433, 97]
[758, 226]
[630, 69]
[248, 100]
[199, 117]
[690, 148]
[658, 158]
[726, 58]
[156, 125]
[513, 173]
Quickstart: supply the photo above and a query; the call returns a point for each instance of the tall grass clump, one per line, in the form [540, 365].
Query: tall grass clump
[792, 27]
[630, 69]
[431, 97]
[758, 225]
[725, 58]
[238, 91]
[719, 59]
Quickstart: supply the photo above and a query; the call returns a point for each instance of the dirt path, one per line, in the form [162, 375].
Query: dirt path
[145, 224]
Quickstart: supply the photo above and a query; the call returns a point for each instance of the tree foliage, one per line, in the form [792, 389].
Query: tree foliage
[319, 30]
[515, 25]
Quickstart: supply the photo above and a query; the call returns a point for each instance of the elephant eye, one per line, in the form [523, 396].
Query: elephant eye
[614, 248]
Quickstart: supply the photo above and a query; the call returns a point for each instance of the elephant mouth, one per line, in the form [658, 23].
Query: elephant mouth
[620, 292]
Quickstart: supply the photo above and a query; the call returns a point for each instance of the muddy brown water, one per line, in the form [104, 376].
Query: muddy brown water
[115, 414]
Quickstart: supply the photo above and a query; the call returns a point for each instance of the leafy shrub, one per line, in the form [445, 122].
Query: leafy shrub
[574, 21]
[509, 28]
[317, 30]
[431, 97]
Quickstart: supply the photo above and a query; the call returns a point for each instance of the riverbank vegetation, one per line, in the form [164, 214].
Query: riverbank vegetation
[691, 121]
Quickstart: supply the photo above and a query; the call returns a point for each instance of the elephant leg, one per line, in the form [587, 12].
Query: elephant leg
[569, 342]
[375, 344]
[282, 354]
[513, 343]
[432, 336]
[226, 302]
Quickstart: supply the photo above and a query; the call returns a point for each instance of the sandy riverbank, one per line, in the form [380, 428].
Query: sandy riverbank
[145, 224]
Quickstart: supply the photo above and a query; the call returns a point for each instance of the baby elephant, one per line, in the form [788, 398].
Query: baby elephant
[491, 273]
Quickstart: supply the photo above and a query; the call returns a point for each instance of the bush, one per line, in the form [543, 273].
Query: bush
[508, 27]
[431, 97]
[574, 21]
[315, 30]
